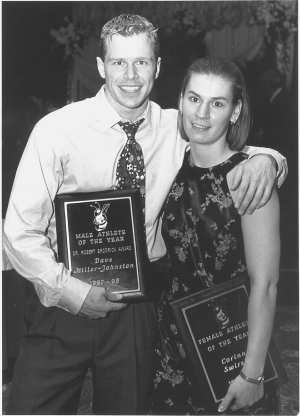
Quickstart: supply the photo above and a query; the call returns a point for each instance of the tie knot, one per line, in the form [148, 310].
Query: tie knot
[130, 128]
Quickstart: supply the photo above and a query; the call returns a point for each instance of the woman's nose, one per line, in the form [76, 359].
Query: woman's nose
[202, 111]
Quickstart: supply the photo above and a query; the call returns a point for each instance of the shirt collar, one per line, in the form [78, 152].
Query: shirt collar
[108, 116]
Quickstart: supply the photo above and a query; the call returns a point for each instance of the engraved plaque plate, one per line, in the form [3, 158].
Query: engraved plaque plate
[101, 240]
[213, 325]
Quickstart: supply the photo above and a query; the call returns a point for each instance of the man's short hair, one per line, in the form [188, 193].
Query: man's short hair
[128, 25]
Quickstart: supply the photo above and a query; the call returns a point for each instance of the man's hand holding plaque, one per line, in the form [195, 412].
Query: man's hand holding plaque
[99, 302]
[101, 240]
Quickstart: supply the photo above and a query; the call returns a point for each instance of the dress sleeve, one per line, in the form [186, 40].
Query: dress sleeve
[282, 170]
[29, 231]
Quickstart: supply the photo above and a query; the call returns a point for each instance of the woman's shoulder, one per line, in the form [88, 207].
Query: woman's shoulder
[231, 163]
[235, 160]
[226, 168]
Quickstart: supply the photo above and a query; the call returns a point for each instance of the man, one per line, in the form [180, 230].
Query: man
[76, 149]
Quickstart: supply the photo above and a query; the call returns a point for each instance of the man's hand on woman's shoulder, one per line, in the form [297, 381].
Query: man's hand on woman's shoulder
[254, 180]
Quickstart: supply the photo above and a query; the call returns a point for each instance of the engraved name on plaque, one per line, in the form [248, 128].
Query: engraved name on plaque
[101, 240]
[214, 327]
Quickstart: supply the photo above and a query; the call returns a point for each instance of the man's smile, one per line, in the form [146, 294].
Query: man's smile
[130, 89]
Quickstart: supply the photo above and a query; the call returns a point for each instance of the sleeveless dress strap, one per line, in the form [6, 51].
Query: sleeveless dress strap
[232, 162]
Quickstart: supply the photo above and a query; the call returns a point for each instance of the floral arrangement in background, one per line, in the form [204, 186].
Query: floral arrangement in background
[180, 20]
[70, 37]
[184, 23]
[280, 19]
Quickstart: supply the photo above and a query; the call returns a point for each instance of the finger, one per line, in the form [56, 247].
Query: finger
[236, 406]
[251, 196]
[241, 404]
[226, 402]
[92, 315]
[243, 196]
[266, 196]
[110, 306]
[237, 172]
[113, 297]
[116, 306]
[256, 198]
[83, 315]
[101, 315]
[261, 197]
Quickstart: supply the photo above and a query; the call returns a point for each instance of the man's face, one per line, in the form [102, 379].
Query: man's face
[129, 69]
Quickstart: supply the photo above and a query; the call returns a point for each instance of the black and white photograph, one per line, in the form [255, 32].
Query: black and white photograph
[150, 228]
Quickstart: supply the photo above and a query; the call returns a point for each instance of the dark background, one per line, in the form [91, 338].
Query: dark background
[34, 81]
[31, 66]
[35, 75]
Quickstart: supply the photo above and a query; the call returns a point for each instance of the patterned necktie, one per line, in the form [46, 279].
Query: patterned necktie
[131, 168]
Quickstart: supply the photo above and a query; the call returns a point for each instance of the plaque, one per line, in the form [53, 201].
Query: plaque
[101, 240]
[213, 326]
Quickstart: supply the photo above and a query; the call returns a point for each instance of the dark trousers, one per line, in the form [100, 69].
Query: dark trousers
[59, 348]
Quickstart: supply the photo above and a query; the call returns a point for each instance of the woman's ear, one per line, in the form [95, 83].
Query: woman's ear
[180, 103]
[236, 112]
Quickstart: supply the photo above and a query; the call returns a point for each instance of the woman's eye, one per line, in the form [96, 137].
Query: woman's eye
[194, 99]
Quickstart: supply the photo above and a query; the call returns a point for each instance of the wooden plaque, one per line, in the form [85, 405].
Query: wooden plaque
[213, 325]
[101, 240]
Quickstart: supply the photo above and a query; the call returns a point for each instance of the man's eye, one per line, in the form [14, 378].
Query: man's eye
[141, 63]
[217, 104]
[118, 63]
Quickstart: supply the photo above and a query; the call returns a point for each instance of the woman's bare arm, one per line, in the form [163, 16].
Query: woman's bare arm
[262, 250]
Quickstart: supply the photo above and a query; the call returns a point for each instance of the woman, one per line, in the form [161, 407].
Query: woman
[209, 243]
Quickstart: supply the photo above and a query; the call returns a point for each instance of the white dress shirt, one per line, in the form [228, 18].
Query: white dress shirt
[76, 149]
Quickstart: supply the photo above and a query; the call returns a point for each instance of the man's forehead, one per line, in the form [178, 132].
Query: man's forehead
[129, 44]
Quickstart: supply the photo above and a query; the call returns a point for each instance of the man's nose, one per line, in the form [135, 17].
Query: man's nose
[131, 72]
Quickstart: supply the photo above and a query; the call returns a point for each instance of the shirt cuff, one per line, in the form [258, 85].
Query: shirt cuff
[73, 295]
[282, 167]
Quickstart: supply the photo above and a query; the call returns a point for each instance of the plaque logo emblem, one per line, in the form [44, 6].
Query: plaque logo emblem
[220, 313]
[100, 219]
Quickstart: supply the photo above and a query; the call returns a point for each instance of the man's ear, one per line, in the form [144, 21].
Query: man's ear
[157, 67]
[100, 66]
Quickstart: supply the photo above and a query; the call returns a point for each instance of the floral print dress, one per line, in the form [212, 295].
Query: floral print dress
[203, 236]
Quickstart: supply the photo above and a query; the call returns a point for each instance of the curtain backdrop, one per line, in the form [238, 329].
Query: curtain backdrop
[90, 16]
[230, 42]
[234, 30]
[86, 81]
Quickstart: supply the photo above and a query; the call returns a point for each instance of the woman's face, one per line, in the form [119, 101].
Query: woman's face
[207, 107]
